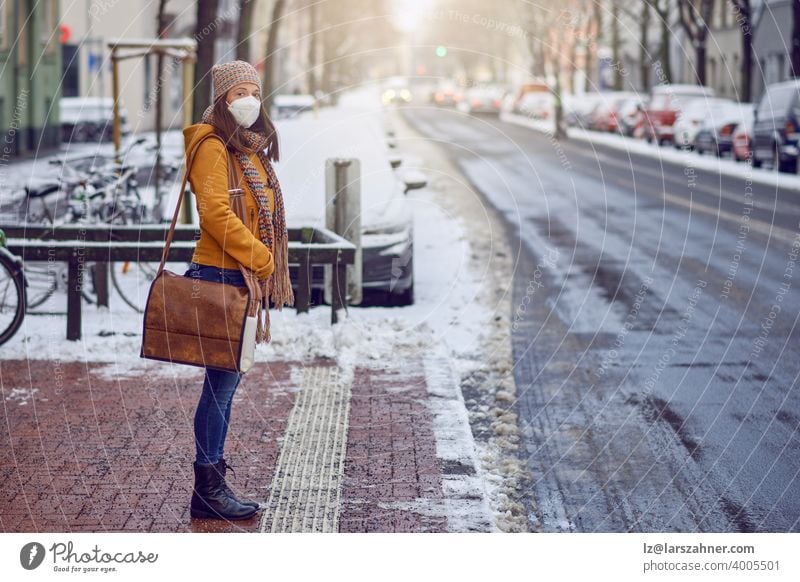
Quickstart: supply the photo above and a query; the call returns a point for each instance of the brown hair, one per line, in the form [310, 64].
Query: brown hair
[231, 132]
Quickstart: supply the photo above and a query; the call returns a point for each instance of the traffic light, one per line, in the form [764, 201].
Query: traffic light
[441, 51]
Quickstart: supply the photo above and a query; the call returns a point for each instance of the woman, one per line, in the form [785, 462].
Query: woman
[236, 121]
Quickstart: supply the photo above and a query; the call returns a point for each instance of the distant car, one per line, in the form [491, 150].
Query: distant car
[286, 106]
[776, 127]
[604, 116]
[743, 138]
[446, 95]
[693, 115]
[477, 100]
[396, 91]
[524, 93]
[663, 108]
[387, 241]
[537, 105]
[90, 119]
[716, 131]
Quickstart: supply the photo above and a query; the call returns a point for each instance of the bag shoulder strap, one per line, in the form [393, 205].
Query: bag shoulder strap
[237, 202]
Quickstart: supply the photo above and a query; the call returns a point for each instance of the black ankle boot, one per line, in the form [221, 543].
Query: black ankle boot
[222, 467]
[211, 501]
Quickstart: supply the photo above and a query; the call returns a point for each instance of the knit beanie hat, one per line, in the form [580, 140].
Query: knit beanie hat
[227, 75]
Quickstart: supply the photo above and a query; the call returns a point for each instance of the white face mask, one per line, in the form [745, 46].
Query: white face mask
[245, 110]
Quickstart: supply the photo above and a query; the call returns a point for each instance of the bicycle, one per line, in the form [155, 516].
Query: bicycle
[12, 292]
[105, 194]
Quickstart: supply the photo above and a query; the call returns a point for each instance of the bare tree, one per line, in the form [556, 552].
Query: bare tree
[744, 17]
[245, 29]
[272, 46]
[662, 9]
[206, 31]
[616, 45]
[356, 35]
[594, 41]
[313, 55]
[642, 15]
[695, 16]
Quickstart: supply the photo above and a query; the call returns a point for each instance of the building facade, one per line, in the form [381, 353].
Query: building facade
[30, 83]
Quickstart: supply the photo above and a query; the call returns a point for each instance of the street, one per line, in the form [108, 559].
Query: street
[653, 320]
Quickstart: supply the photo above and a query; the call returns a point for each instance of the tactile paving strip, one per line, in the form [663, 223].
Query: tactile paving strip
[305, 493]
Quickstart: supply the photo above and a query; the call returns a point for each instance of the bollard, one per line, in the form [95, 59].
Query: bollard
[343, 216]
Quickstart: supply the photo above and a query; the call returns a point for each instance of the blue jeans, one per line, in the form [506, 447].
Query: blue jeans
[213, 412]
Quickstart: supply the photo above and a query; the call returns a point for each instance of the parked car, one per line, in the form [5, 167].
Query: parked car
[743, 138]
[663, 108]
[524, 91]
[693, 115]
[716, 131]
[387, 248]
[90, 119]
[776, 127]
[482, 99]
[284, 106]
[578, 109]
[537, 105]
[630, 116]
[605, 113]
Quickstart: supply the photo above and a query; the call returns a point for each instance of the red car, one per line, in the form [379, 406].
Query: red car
[605, 117]
[664, 106]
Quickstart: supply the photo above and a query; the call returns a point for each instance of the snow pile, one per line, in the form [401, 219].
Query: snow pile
[725, 166]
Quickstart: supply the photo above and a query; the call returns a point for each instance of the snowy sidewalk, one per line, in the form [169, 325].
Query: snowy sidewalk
[378, 450]
[357, 426]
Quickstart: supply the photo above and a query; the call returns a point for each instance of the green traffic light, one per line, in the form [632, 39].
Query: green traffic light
[441, 51]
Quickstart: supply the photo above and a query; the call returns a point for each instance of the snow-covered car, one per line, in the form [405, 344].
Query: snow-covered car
[630, 115]
[693, 114]
[284, 106]
[716, 131]
[578, 109]
[522, 93]
[605, 113]
[665, 105]
[90, 119]
[537, 105]
[386, 217]
[488, 99]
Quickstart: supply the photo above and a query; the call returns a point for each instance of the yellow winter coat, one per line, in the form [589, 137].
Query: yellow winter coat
[224, 240]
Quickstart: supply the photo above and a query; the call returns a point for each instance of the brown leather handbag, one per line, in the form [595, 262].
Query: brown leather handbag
[201, 323]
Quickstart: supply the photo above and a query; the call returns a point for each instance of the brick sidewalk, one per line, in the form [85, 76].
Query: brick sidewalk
[83, 448]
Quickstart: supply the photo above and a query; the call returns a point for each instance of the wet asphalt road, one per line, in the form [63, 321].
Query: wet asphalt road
[655, 332]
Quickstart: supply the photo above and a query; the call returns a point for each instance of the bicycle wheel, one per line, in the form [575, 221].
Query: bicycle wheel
[132, 281]
[12, 297]
[42, 283]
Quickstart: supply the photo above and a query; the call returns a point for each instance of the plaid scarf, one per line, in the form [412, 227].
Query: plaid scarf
[272, 227]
